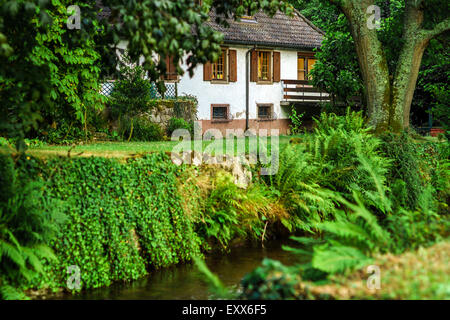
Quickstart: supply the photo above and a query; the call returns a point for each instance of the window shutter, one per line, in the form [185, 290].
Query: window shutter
[171, 72]
[232, 65]
[171, 69]
[207, 71]
[254, 67]
[276, 66]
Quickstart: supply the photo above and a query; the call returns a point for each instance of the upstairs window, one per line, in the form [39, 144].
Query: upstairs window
[224, 70]
[305, 63]
[264, 66]
[219, 67]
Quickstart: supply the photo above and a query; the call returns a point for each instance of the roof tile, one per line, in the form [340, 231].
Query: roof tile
[280, 31]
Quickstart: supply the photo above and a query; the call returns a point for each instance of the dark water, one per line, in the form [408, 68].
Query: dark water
[185, 281]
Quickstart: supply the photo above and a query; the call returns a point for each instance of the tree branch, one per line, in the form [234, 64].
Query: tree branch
[437, 30]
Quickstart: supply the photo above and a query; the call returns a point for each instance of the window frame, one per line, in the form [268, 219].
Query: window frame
[306, 56]
[270, 67]
[225, 68]
[220, 105]
[264, 105]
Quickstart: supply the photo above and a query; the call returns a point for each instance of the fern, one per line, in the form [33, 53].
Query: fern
[334, 257]
[27, 225]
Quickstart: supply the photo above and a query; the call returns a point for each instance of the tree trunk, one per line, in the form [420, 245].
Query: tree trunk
[408, 66]
[389, 105]
[373, 64]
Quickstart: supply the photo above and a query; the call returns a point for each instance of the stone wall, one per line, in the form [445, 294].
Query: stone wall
[163, 110]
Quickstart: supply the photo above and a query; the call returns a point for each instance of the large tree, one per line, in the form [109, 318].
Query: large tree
[389, 92]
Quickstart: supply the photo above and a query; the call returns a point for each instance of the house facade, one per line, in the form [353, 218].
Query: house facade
[247, 88]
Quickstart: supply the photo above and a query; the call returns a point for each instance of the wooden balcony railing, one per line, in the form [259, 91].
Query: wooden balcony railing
[302, 92]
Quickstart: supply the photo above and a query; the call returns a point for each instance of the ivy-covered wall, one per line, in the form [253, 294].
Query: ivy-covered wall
[122, 219]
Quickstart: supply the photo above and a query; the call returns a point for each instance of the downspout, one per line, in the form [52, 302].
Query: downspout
[247, 86]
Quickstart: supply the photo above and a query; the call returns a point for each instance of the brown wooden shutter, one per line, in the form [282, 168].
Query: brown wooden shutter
[172, 75]
[254, 67]
[207, 71]
[171, 71]
[232, 65]
[276, 66]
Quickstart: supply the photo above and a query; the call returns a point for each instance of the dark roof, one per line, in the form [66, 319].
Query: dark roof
[295, 32]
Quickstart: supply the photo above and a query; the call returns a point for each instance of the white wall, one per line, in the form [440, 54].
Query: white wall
[233, 93]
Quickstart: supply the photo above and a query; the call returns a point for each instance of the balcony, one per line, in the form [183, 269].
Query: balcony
[300, 92]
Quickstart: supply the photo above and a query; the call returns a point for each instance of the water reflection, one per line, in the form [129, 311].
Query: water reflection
[185, 282]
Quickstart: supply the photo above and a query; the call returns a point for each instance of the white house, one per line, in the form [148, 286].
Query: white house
[263, 68]
[262, 71]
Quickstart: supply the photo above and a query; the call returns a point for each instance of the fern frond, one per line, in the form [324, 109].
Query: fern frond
[11, 252]
[336, 258]
[8, 292]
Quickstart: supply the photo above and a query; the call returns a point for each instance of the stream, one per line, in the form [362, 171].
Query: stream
[184, 281]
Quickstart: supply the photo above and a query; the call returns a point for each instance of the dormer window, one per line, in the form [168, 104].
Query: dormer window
[248, 19]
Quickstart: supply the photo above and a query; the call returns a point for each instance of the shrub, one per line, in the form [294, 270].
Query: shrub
[352, 121]
[224, 212]
[295, 184]
[336, 147]
[436, 170]
[421, 226]
[405, 167]
[140, 129]
[296, 120]
[28, 222]
[132, 93]
[270, 281]
[64, 133]
[179, 123]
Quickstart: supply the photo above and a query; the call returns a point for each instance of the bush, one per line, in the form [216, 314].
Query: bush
[132, 93]
[404, 173]
[140, 129]
[28, 222]
[179, 123]
[336, 147]
[436, 163]
[64, 133]
[271, 281]
[295, 183]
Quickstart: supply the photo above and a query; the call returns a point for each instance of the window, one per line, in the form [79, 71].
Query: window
[264, 72]
[265, 111]
[219, 68]
[171, 70]
[219, 112]
[224, 70]
[305, 63]
[265, 66]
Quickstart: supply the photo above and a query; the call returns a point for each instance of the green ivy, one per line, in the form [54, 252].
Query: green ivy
[123, 218]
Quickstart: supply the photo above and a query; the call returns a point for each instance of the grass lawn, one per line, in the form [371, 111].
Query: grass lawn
[111, 149]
